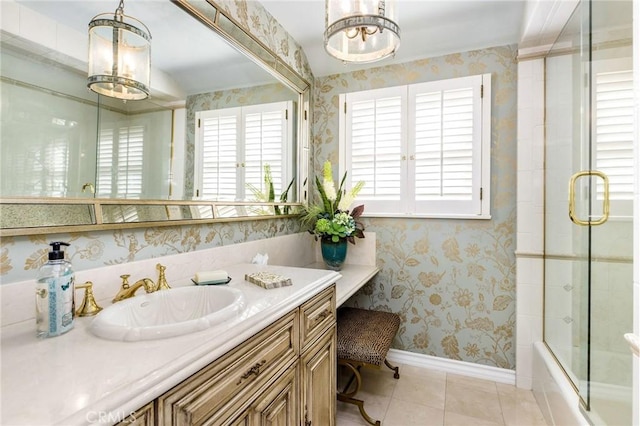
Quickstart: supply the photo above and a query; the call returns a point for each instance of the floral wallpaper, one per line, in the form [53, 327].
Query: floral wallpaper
[20, 257]
[451, 281]
[252, 15]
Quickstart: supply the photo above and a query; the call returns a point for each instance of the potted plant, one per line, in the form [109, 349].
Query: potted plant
[331, 221]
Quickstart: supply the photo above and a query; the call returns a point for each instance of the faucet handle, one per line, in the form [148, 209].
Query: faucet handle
[125, 280]
[88, 307]
[162, 281]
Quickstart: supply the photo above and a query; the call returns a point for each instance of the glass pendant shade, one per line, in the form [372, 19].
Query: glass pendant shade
[119, 56]
[361, 30]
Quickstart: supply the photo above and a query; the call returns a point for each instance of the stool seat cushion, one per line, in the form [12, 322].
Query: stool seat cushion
[365, 336]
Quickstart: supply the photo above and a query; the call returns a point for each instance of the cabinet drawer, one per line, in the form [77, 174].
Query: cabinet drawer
[316, 315]
[227, 383]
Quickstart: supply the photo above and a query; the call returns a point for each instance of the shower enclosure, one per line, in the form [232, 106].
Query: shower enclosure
[588, 290]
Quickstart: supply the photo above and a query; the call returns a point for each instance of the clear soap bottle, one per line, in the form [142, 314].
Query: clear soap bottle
[55, 308]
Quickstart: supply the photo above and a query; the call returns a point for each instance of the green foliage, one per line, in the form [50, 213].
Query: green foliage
[331, 217]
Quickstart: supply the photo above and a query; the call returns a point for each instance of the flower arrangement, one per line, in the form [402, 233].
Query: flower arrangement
[332, 218]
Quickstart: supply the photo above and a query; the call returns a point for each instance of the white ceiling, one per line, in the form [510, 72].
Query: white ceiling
[190, 54]
[428, 28]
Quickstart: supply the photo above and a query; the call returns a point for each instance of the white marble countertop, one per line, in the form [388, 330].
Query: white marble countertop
[78, 378]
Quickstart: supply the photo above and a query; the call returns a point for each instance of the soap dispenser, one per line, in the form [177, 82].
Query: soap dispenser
[55, 294]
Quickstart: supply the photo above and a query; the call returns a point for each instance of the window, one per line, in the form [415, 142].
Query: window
[233, 146]
[613, 130]
[120, 162]
[422, 149]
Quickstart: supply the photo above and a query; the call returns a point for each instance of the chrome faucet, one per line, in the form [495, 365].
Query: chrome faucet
[126, 291]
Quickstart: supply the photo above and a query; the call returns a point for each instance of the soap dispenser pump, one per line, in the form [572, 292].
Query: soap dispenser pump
[55, 309]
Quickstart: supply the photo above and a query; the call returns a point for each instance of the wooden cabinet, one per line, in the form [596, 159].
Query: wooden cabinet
[220, 391]
[278, 404]
[318, 378]
[142, 417]
[284, 375]
[316, 316]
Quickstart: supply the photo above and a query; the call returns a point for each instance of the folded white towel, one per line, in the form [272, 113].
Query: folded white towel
[211, 276]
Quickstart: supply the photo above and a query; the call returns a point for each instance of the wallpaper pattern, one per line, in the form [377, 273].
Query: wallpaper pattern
[20, 257]
[451, 281]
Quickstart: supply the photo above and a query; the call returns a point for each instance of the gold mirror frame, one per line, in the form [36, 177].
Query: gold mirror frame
[56, 215]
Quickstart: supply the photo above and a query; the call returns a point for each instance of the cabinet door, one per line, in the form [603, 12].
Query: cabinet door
[318, 381]
[227, 386]
[278, 404]
[142, 417]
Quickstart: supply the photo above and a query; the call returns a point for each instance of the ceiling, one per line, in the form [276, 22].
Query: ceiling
[191, 54]
[428, 28]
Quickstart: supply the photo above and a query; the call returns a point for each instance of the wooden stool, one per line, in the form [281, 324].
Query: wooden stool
[364, 338]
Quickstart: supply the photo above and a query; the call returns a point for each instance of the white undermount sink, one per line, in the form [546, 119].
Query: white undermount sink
[168, 313]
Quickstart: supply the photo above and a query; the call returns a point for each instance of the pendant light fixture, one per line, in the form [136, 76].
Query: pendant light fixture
[361, 30]
[119, 56]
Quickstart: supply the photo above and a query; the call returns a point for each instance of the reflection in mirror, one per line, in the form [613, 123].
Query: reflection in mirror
[133, 213]
[58, 139]
[13, 215]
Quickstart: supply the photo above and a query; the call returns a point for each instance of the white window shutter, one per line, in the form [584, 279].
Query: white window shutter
[376, 154]
[105, 176]
[130, 162]
[614, 119]
[446, 138]
[267, 141]
[422, 149]
[217, 165]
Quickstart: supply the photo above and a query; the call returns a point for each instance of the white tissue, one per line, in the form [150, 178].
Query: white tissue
[261, 259]
[211, 276]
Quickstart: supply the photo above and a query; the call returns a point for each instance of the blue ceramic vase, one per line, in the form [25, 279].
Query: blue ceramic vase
[333, 253]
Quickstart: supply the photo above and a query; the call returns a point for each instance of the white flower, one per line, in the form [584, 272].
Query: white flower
[347, 199]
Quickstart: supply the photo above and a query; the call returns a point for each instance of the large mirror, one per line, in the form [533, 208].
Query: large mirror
[215, 123]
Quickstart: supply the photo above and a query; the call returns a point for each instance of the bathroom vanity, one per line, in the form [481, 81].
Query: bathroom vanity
[274, 362]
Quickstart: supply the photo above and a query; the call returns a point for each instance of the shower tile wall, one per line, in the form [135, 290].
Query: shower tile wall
[530, 205]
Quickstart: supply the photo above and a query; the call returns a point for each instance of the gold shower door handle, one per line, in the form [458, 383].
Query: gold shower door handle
[572, 198]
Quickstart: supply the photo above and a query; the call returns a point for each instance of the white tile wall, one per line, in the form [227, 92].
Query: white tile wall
[530, 222]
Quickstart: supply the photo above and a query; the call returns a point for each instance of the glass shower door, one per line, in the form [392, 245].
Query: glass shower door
[611, 259]
[567, 245]
[588, 252]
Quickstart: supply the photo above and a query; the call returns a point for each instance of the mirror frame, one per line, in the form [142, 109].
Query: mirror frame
[214, 17]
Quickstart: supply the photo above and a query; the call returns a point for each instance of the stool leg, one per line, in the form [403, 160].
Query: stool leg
[348, 397]
[396, 370]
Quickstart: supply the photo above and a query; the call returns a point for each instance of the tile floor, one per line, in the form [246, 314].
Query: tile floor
[427, 397]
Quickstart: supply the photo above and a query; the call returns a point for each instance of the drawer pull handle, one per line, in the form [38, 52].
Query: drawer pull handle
[321, 316]
[253, 371]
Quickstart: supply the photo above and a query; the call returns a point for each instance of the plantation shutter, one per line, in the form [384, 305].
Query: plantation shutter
[422, 149]
[614, 133]
[104, 180]
[445, 132]
[374, 123]
[130, 162]
[218, 171]
[266, 139]
[120, 162]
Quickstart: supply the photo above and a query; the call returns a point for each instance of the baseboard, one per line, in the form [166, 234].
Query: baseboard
[500, 375]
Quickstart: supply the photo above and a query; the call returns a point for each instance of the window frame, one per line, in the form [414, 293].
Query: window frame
[407, 206]
[241, 113]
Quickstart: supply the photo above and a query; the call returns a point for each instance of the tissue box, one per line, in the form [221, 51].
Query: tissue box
[268, 280]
